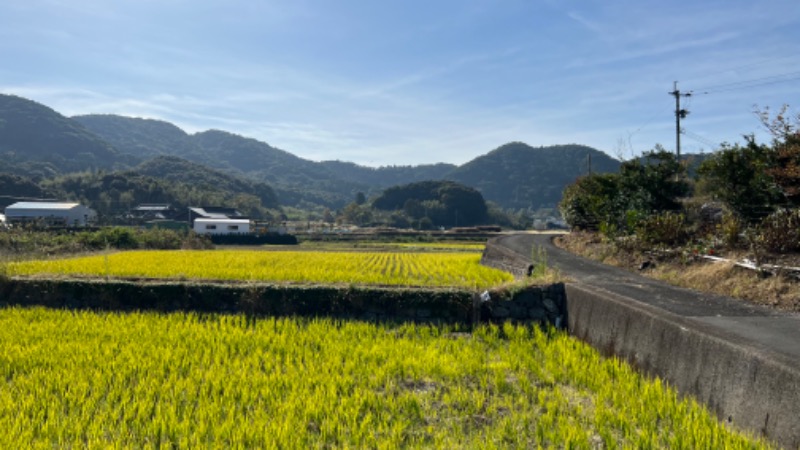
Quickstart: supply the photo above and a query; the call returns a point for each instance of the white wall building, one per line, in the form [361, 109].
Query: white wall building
[50, 214]
[221, 226]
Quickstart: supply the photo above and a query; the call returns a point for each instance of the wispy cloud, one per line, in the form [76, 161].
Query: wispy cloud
[404, 83]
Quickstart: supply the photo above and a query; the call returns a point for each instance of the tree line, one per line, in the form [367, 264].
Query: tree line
[741, 195]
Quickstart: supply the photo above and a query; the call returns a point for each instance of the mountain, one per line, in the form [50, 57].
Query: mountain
[38, 141]
[141, 138]
[296, 180]
[387, 175]
[204, 178]
[517, 175]
[293, 177]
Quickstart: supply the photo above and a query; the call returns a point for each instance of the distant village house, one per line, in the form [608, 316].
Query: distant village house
[153, 211]
[51, 214]
[218, 220]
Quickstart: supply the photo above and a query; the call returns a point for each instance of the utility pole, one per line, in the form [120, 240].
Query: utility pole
[679, 114]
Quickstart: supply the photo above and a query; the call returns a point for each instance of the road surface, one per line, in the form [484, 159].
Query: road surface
[762, 327]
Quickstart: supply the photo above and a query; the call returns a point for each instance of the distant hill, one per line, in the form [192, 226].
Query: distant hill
[292, 176]
[204, 178]
[388, 175]
[296, 180]
[113, 194]
[141, 138]
[517, 175]
[37, 142]
[444, 203]
[40, 142]
[14, 188]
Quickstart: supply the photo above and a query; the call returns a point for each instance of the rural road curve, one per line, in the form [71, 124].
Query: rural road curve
[769, 330]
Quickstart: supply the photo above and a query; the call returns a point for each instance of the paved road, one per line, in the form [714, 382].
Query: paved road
[764, 328]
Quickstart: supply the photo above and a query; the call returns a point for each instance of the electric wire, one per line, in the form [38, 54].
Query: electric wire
[698, 138]
[746, 84]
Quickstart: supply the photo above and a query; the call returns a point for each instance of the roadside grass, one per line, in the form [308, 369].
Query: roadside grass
[701, 275]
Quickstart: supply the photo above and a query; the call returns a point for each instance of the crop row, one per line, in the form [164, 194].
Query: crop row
[144, 380]
[431, 269]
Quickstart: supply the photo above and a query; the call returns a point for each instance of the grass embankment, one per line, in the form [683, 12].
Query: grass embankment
[682, 267]
[426, 269]
[88, 380]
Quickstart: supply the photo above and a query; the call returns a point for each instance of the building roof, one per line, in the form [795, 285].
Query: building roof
[153, 207]
[221, 220]
[43, 205]
[215, 212]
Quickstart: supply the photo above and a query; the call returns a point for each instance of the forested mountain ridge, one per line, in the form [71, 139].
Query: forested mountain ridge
[517, 175]
[44, 142]
[514, 175]
[202, 177]
[142, 138]
[295, 179]
[386, 176]
[37, 142]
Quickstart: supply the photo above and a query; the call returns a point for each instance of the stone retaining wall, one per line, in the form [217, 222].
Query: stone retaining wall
[544, 304]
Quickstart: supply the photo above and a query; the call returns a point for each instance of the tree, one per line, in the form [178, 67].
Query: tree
[739, 176]
[785, 168]
[356, 214]
[360, 198]
[590, 201]
[413, 208]
[445, 203]
[653, 182]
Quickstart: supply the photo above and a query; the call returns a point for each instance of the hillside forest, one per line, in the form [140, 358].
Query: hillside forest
[113, 163]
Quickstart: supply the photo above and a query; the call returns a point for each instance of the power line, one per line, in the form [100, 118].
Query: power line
[698, 138]
[746, 66]
[746, 84]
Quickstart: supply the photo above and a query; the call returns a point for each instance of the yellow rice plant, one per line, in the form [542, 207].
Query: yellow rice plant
[188, 380]
[430, 269]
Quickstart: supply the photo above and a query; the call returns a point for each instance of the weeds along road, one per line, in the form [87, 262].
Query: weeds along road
[769, 330]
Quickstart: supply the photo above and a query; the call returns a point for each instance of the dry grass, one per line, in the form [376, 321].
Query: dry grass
[718, 278]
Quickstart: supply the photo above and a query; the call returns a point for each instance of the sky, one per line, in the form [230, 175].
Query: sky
[414, 82]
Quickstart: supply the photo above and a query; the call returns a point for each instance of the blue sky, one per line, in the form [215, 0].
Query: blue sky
[412, 82]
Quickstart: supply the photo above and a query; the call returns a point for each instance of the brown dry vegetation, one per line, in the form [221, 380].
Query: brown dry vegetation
[681, 268]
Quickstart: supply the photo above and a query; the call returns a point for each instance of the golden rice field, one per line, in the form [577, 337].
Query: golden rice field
[428, 269]
[144, 380]
[411, 246]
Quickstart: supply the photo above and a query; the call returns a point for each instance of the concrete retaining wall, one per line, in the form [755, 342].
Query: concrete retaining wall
[743, 385]
[751, 388]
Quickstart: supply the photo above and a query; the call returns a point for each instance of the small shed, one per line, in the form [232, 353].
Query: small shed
[221, 226]
[64, 214]
[213, 212]
[153, 211]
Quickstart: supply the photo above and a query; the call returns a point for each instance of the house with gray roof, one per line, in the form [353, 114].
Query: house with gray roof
[61, 214]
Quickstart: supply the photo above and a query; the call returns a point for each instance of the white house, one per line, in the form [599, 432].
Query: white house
[221, 226]
[50, 214]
